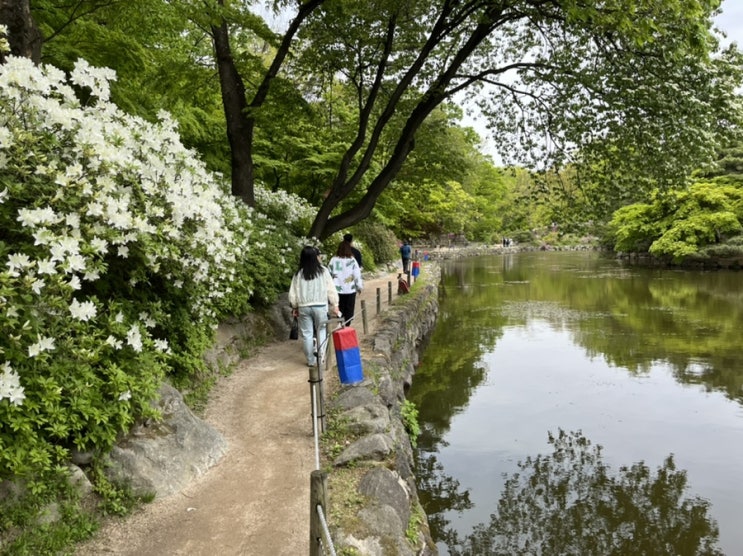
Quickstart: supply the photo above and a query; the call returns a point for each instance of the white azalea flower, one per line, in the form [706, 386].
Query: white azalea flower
[37, 285]
[114, 343]
[96, 79]
[162, 345]
[16, 395]
[100, 245]
[91, 276]
[46, 266]
[95, 209]
[75, 263]
[70, 244]
[44, 344]
[18, 261]
[58, 252]
[147, 320]
[83, 311]
[73, 220]
[10, 385]
[43, 236]
[134, 338]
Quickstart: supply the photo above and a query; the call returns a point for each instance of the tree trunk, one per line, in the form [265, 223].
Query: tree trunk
[239, 126]
[324, 224]
[23, 35]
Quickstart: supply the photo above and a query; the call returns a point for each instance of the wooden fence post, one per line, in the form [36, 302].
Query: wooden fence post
[363, 316]
[318, 489]
[316, 388]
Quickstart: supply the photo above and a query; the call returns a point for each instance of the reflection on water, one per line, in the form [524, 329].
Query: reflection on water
[571, 502]
[647, 363]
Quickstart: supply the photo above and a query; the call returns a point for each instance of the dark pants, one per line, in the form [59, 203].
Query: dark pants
[406, 265]
[347, 304]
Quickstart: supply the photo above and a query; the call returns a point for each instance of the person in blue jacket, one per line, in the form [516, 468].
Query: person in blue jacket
[405, 252]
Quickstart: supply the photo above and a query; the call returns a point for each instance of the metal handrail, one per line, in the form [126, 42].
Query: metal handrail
[325, 530]
[318, 479]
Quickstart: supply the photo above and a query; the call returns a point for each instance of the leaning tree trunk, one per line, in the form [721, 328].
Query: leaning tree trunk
[23, 35]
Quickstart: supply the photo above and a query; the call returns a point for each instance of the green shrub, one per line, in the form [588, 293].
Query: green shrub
[120, 255]
[377, 244]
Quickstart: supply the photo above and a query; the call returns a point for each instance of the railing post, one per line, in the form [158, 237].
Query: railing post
[318, 489]
[363, 316]
[318, 418]
[379, 300]
[389, 293]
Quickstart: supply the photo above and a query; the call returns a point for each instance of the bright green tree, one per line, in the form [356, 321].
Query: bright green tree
[679, 223]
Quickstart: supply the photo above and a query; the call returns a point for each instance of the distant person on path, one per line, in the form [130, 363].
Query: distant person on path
[311, 292]
[356, 252]
[405, 252]
[346, 274]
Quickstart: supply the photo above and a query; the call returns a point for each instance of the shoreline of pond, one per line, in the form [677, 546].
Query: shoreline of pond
[692, 262]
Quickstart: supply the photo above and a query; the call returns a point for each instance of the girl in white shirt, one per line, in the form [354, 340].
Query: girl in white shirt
[347, 277]
[311, 291]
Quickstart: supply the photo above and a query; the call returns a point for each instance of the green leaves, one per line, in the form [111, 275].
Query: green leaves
[679, 223]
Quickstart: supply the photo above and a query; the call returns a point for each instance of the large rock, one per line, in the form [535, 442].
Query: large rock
[373, 447]
[387, 488]
[367, 419]
[163, 457]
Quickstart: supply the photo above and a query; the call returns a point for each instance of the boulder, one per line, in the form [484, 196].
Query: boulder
[163, 457]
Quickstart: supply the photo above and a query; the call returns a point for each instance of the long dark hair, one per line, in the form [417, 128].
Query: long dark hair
[344, 250]
[309, 265]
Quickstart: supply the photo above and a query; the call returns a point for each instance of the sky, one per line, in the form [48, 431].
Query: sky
[731, 20]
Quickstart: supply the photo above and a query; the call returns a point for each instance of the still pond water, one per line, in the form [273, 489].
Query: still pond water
[570, 404]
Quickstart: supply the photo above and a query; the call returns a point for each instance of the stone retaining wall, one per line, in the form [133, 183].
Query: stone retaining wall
[378, 464]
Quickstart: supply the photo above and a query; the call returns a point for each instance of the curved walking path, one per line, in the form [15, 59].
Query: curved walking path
[255, 501]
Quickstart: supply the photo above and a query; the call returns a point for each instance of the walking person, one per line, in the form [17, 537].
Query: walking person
[356, 252]
[311, 294]
[346, 274]
[405, 252]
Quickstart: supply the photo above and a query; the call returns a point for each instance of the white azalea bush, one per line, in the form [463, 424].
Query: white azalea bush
[119, 253]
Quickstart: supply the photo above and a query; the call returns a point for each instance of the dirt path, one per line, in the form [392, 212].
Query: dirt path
[256, 500]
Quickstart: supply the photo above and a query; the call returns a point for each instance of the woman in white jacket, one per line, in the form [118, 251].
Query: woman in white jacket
[311, 291]
[347, 277]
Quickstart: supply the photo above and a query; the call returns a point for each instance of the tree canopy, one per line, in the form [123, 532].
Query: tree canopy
[625, 86]
[628, 94]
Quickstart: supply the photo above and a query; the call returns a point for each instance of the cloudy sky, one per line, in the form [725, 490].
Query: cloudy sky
[731, 20]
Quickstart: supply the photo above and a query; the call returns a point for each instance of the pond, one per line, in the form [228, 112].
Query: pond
[570, 404]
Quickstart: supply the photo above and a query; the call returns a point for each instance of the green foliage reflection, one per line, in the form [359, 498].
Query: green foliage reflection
[570, 502]
[632, 317]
